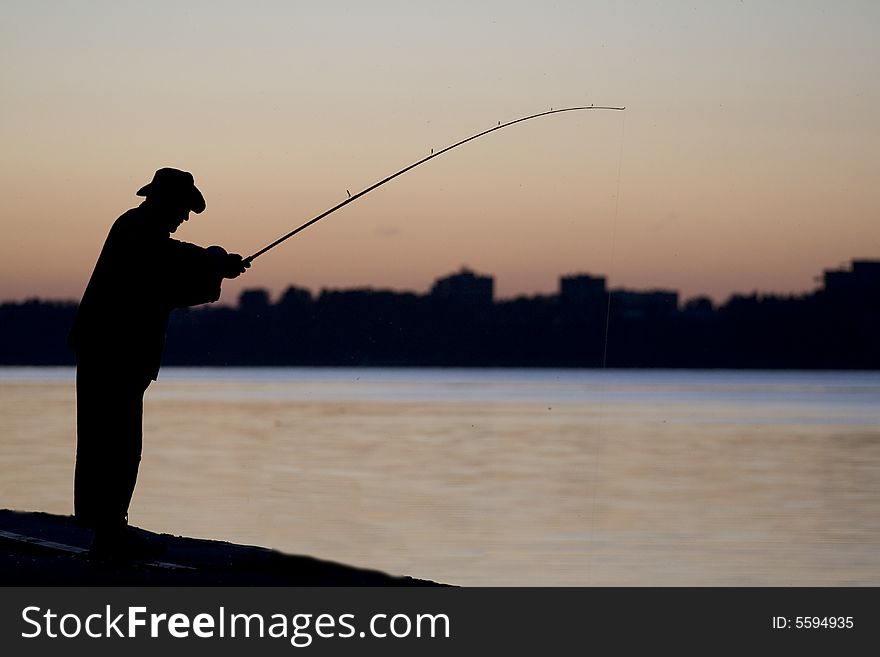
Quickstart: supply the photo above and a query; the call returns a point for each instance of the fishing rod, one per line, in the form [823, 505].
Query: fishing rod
[369, 189]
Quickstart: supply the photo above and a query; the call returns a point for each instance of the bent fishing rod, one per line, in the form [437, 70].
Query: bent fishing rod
[351, 198]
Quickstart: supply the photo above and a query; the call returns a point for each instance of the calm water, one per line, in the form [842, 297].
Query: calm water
[495, 477]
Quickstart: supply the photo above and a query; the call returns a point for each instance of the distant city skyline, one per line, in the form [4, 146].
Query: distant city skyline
[459, 323]
[69, 290]
[573, 284]
[469, 282]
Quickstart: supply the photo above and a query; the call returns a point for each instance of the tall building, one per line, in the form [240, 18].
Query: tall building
[579, 290]
[465, 286]
[862, 279]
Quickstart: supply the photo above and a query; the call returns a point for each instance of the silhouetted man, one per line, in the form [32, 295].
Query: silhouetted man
[119, 334]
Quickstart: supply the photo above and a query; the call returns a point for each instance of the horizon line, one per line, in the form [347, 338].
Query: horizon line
[465, 269]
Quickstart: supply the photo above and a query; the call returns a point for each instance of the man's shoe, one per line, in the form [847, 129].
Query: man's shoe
[124, 544]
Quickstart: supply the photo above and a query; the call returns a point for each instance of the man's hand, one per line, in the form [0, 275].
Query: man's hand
[234, 265]
[231, 265]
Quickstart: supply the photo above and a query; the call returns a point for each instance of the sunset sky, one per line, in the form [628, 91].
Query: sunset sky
[747, 158]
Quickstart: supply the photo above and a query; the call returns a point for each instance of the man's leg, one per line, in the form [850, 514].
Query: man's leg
[109, 442]
[124, 451]
[93, 432]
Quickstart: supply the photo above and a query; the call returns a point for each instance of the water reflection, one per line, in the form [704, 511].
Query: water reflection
[496, 477]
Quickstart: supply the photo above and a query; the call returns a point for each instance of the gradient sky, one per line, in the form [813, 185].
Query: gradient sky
[747, 158]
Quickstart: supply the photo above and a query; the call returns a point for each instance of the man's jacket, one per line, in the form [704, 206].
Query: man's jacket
[140, 277]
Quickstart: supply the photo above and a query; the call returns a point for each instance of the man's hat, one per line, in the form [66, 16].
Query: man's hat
[175, 183]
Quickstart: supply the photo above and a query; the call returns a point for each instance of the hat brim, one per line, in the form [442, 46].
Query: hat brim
[196, 200]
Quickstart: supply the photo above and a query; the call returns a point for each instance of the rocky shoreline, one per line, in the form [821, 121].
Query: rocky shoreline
[41, 549]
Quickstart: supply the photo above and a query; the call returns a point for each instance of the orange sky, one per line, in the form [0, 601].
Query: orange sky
[747, 157]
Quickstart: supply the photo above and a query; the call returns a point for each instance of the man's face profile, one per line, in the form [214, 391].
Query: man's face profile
[172, 212]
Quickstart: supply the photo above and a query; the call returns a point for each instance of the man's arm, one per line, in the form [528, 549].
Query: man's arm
[193, 274]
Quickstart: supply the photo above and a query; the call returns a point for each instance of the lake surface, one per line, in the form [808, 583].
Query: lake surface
[494, 477]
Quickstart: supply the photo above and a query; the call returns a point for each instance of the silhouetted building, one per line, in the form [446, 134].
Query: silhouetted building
[295, 296]
[582, 290]
[465, 286]
[863, 279]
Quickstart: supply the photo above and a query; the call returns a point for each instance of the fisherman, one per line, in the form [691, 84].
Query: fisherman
[118, 334]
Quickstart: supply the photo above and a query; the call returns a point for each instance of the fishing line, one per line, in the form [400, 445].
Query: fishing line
[603, 390]
[613, 240]
[353, 197]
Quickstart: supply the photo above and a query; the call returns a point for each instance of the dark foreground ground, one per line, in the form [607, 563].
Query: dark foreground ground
[40, 549]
